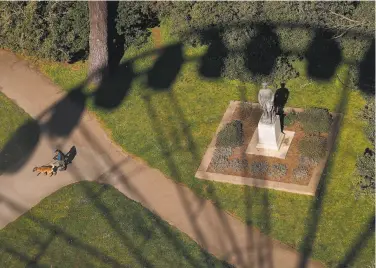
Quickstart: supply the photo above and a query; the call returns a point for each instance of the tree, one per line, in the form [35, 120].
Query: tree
[98, 40]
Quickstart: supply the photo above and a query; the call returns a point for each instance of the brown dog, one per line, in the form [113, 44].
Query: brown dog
[45, 169]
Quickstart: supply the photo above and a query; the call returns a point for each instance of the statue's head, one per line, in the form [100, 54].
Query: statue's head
[264, 85]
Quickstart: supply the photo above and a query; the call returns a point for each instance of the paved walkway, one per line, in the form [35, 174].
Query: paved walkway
[100, 159]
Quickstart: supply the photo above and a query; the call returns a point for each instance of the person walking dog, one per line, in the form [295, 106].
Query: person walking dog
[60, 160]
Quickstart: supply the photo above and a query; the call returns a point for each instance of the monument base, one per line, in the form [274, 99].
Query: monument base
[270, 136]
[254, 149]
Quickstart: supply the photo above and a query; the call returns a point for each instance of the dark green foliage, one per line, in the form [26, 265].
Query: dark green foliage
[284, 70]
[259, 56]
[231, 135]
[366, 170]
[262, 44]
[133, 20]
[369, 116]
[278, 170]
[313, 147]
[300, 173]
[259, 168]
[53, 30]
[366, 163]
[234, 68]
[293, 25]
[315, 120]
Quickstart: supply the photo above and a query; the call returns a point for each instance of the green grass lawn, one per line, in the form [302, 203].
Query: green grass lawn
[88, 224]
[172, 129]
[11, 117]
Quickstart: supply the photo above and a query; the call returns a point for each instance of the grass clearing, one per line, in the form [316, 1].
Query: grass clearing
[171, 130]
[11, 117]
[88, 224]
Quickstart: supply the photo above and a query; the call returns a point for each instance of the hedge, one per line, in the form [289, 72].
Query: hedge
[257, 40]
[290, 33]
[53, 30]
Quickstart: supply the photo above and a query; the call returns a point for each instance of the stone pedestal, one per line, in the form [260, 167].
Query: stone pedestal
[268, 140]
[270, 136]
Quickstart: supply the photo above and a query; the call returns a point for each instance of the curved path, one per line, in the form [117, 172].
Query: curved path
[100, 159]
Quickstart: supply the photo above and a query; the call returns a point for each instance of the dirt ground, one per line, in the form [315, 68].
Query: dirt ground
[250, 117]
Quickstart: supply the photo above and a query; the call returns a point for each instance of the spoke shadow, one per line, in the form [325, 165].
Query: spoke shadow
[323, 55]
[263, 50]
[366, 80]
[166, 68]
[212, 63]
[18, 150]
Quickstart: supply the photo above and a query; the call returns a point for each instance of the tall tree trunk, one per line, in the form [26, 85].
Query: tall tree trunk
[98, 57]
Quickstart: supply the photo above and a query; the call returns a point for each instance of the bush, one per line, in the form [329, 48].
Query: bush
[261, 57]
[369, 116]
[191, 17]
[231, 135]
[259, 168]
[313, 147]
[235, 68]
[238, 165]
[220, 159]
[315, 120]
[300, 173]
[283, 70]
[53, 30]
[133, 20]
[278, 170]
[366, 170]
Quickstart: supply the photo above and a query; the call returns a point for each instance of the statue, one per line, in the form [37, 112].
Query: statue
[266, 100]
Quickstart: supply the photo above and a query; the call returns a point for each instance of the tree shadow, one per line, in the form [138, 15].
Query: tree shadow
[212, 63]
[17, 151]
[115, 41]
[262, 51]
[323, 55]
[166, 68]
[366, 81]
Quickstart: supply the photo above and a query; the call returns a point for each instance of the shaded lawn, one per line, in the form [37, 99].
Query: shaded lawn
[11, 117]
[87, 224]
[172, 129]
